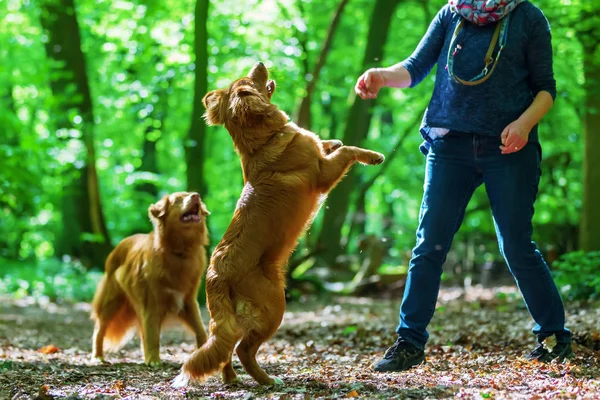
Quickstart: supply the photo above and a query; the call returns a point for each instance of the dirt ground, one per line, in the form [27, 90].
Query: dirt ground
[323, 349]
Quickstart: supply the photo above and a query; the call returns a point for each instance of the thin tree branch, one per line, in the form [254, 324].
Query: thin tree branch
[303, 114]
[392, 154]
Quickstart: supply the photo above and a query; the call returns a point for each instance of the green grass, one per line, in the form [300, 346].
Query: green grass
[51, 278]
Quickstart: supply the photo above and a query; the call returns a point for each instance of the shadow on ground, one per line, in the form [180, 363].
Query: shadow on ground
[477, 342]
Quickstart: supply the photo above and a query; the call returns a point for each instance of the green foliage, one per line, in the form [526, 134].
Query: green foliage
[51, 278]
[139, 56]
[577, 275]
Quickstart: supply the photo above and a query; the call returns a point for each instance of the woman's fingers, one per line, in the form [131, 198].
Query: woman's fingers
[513, 143]
[510, 142]
[504, 135]
[362, 87]
[359, 83]
[368, 81]
[360, 92]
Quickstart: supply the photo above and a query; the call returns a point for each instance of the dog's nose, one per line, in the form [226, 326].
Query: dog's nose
[195, 198]
[258, 71]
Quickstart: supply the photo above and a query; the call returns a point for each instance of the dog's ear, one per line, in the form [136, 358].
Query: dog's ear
[214, 110]
[203, 209]
[159, 209]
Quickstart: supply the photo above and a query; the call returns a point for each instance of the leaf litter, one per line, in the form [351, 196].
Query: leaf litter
[324, 349]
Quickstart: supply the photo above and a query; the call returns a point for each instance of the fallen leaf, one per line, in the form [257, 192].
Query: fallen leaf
[353, 393]
[119, 386]
[50, 349]
[43, 393]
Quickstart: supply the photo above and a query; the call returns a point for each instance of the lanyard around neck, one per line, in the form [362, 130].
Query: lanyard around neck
[500, 33]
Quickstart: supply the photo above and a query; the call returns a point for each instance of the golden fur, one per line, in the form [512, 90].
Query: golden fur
[151, 277]
[287, 171]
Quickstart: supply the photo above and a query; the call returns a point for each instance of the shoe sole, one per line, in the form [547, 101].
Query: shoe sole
[548, 358]
[421, 360]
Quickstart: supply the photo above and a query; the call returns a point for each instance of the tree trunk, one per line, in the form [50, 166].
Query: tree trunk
[357, 225]
[194, 148]
[149, 162]
[303, 115]
[358, 222]
[9, 120]
[590, 219]
[158, 114]
[356, 129]
[84, 233]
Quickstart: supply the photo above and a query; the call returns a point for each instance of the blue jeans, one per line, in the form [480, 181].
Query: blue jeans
[456, 165]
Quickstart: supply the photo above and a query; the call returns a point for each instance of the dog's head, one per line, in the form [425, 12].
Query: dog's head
[181, 215]
[246, 105]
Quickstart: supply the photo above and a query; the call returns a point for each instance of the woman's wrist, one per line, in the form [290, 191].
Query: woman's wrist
[535, 112]
[527, 122]
[381, 72]
[396, 76]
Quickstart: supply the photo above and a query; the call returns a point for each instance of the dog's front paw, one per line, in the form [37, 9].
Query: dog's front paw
[377, 158]
[232, 381]
[277, 381]
[331, 145]
[371, 158]
[98, 360]
[180, 381]
[153, 363]
[335, 144]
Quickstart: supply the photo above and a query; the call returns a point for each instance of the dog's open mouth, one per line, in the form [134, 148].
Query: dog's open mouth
[192, 215]
[270, 88]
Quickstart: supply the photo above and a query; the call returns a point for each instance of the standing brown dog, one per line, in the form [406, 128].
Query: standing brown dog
[150, 277]
[287, 171]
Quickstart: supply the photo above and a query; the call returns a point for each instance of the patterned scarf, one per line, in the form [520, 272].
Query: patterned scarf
[483, 12]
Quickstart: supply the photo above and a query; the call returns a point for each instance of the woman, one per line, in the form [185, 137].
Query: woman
[494, 82]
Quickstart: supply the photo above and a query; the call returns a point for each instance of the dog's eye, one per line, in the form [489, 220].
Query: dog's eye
[243, 91]
[248, 83]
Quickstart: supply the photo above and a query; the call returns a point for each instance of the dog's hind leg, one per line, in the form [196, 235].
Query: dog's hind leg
[224, 334]
[108, 306]
[98, 340]
[247, 350]
[260, 324]
[228, 373]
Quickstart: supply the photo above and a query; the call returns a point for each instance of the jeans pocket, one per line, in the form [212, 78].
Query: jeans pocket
[431, 135]
[425, 147]
[437, 133]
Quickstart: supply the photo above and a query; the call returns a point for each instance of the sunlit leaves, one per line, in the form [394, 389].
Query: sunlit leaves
[139, 56]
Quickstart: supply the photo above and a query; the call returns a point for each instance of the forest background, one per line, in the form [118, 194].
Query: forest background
[100, 114]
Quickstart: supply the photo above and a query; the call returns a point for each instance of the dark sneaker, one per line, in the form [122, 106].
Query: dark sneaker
[400, 357]
[550, 350]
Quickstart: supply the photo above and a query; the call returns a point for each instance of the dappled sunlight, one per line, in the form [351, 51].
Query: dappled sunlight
[323, 349]
[102, 114]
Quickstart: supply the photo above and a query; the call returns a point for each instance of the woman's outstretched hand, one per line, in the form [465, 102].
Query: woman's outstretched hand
[514, 137]
[369, 84]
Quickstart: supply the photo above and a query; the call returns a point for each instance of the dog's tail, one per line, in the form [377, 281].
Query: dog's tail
[121, 329]
[111, 307]
[224, 334]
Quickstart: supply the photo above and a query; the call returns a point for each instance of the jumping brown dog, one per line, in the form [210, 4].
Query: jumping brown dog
[287, 173]
[152, 277]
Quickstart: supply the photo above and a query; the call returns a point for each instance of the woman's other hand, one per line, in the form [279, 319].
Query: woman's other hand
[514, 137]
[369, 84]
